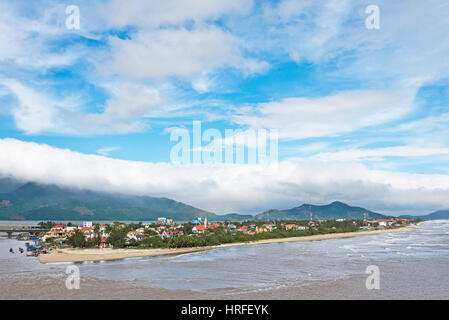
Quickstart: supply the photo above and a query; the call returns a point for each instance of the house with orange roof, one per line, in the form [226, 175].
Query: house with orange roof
[58, 231]
[88, 232]
[200, 228]
[103, 242]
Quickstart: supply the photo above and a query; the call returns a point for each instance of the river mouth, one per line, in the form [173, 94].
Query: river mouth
[413, 265]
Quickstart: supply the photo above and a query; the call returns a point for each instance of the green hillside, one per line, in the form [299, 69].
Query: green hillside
[42, 202]
[335, 210]
[48, 202]
[437, 215]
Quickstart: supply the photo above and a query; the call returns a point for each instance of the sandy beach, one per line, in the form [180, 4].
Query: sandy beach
[81, 255]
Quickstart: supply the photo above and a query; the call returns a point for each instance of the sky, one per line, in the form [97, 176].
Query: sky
[360, 113]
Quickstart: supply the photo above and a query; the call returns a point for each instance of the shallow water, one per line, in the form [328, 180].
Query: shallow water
[412, 265]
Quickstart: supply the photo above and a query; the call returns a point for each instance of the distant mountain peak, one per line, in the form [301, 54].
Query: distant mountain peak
[333, 210]
[338, 203]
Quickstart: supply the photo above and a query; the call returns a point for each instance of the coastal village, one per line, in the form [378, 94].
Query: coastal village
[166, 233]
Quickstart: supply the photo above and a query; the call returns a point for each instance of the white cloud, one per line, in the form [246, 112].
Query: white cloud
[107, 150]
[297, 118]
[410, 45]
[309, 30]
[153, 13]
[124, 111]
[429, 124]
[40, 112]
[24, 41]
[225, 188]
[356, 154]
[161, 53]
[35, 112]
[175, 38]
[203, 83]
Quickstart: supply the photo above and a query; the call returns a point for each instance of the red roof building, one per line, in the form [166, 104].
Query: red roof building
[200, 228]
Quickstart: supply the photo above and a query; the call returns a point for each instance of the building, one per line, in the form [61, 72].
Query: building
[196, 221]
[295, 227]
[200, 228]
[134, 235]
[171, 234]
[88, 232]
[87, 224]
[103, 232]
[384, 222]
[58, 231]
[103, 242]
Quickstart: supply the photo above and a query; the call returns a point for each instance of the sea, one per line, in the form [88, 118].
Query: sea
[409, 265]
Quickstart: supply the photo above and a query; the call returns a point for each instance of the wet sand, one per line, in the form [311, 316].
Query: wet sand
[82, 255]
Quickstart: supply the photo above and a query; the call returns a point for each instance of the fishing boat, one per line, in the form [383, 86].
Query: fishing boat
[32, 254]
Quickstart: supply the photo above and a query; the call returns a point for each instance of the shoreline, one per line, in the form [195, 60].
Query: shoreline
[84, 255]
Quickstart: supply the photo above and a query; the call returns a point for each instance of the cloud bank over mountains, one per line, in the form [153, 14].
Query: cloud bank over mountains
[213, 187]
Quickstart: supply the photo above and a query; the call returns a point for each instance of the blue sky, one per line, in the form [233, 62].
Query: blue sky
[362, 113]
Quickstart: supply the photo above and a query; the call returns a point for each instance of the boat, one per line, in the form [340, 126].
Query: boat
[32, 254]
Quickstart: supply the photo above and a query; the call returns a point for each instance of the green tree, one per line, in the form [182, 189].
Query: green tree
[97, 235]
[117, 238]
[77, 240]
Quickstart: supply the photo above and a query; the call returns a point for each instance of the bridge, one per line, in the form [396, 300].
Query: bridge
[10, 229]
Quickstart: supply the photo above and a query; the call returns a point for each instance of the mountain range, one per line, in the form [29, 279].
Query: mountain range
[332, 211]
[437, 215]
[32, 201]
